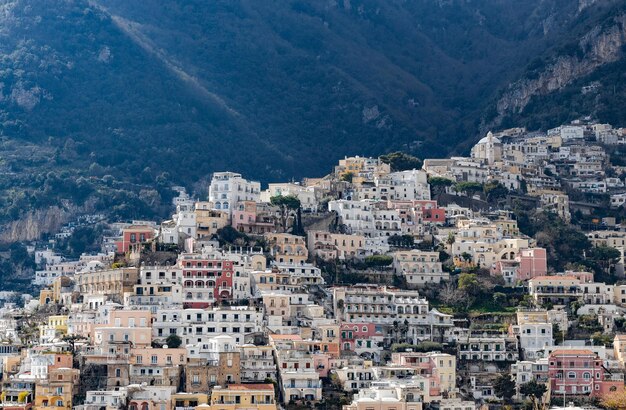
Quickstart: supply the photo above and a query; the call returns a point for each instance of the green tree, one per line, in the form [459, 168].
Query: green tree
[286, 204]
[378, 261]
[495, 191]
[535, 391]
[469, 284]
[401, 241]
[504, 387]
[469, 188]
[347, 177]
[438, 185]
[557, 333]
[564, 243]
[229, 235]
[400, 161]
[173, 341]
[605, 256]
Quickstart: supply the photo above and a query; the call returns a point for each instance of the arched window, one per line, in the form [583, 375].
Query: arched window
[225, 205]
[586, 375]
[218, 205]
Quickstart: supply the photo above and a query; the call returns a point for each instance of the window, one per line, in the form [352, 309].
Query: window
[153, 359]
[571, 375]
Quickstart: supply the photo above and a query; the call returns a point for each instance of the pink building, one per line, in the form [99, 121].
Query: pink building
[321, 361]
[250, 217]
[533, 262]
[581, 372]
[355, 336]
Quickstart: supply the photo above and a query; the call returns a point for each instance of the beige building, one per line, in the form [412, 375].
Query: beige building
[243, 397]
[329, 246]
[110, 282]
[287, 248]
[419, 267]
[361, 169]
[153, 366]
[201, 375]
[619, 349]
[208, 220]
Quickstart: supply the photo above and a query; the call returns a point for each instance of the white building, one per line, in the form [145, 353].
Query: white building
[195, 325]
[307, 195]
[229, 188]
[488, 149]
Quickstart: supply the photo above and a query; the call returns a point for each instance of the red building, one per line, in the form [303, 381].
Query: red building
[133, 237]
[205, 281]
[431, 212]
[581, 372]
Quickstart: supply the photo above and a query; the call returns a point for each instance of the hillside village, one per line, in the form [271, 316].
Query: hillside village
[483, 282]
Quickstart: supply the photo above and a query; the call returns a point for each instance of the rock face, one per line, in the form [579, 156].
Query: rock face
[600, 46]
[34, 224]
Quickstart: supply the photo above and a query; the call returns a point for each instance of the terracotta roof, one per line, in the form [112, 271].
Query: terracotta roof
[555, 277]
[253, 386]
[572, 352]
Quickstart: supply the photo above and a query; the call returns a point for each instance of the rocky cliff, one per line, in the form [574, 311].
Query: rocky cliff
[34, 224]
[601, 45]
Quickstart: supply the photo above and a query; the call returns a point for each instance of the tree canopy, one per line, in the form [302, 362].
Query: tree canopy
[400, 161]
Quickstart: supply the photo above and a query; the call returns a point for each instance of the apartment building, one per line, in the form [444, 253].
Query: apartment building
[194, 325]
[229, 188]
[287, 248]
[559, 290]
[534, 331]
[419, 267]
[205, 280]
[257, 363]
[581, 372]
[259, 396]
[331, 246]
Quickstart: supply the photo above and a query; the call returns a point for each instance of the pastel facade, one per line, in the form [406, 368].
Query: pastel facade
[205, 280]
[419, 267]
[581, 372]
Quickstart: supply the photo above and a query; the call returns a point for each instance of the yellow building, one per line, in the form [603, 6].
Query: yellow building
[56, 392]
[55, 328]
[243, 396]
[362, 169]
[189, 401]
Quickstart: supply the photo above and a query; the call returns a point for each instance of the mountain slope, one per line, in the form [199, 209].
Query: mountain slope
[271, 89]
[582, 76]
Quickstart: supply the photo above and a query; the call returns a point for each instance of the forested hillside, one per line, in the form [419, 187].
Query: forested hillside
[139, 90]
